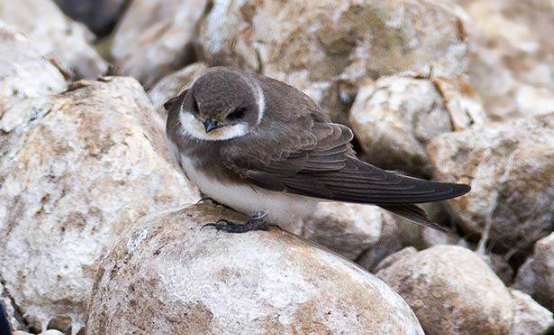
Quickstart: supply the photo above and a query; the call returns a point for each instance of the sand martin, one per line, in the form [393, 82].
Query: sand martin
[264, 148]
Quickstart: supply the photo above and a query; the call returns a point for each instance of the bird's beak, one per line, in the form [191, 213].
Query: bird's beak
[210, 125]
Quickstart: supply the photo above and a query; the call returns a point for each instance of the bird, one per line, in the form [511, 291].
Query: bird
[264, 148]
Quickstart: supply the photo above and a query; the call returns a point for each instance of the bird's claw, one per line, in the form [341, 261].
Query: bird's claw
[256, 222]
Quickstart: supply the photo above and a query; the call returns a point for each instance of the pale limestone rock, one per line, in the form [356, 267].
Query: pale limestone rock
[536, 276]
[55, 36]
[510, 167]
[511, 68]
[396, 116]
[24, 72]
[327, 49]
[192, 281]
[154, 37]
[76, 169]
[452, 291]
[349, 229]
[530, 318]
[174, 84]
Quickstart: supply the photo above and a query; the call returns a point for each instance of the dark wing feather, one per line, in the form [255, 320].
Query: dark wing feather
[413, 213]
[330, 171]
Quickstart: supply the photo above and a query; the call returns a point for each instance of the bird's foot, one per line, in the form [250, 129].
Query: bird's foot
[256, 222]
[211, 201]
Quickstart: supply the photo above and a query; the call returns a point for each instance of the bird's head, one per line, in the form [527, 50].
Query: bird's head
[221, 104]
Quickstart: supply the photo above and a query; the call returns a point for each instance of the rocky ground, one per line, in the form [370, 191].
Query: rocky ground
[99, 231]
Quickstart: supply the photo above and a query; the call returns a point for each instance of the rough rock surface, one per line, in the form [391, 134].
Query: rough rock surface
[175, 83]
[536, 275]
[193, 281]
[24, 72]
[327, 49]
[155, 37]
[396, 116]
[510, 167]
[75, 170]
[349, 229]
[511, 68]
[452, 291]
[530, 318]
[100, 16]
[55, 36]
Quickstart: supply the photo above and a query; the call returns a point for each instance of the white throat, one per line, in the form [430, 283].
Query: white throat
[192, 127]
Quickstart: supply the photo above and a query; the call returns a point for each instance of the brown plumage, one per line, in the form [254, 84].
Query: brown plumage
[284, 144]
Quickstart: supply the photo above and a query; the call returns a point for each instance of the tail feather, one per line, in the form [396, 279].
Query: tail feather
[414, 214]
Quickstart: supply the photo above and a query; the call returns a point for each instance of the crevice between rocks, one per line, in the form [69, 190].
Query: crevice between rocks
[18, 312]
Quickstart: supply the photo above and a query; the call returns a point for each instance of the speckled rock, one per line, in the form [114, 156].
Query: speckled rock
[193, 281]
[511, 68]
[349, 229]
[328, 49]
[100, 16]
[536, 275]
[510, 167]
[530, 318]
[154, 38]
[55, 35]
[172, 85]
[452, 291]
[24, 72]
[395, 117]
[76, 170]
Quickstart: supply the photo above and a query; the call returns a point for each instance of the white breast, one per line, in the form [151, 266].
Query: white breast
[281, 208]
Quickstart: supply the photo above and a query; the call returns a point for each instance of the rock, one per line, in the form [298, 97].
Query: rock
[154, 38]
[395, 117]
[48, 332]
[387, 245]
[55, 36]
[100, 16]
[393, 258]
[24, 72]
[325, 50]
[530, 318]
[189, 280]
[525, 278]
[348, 229]
[536, 275]
[452, 291]
[511, 68]
[6, 307]
[328, 50]
[500, 265]
[172, 85]
[510, 168]
[75, 171]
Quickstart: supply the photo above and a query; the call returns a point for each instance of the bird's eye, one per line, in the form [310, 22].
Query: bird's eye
[195, 108]
[237, 113]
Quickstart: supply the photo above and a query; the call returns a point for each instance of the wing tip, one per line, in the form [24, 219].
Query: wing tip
[460, 189]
